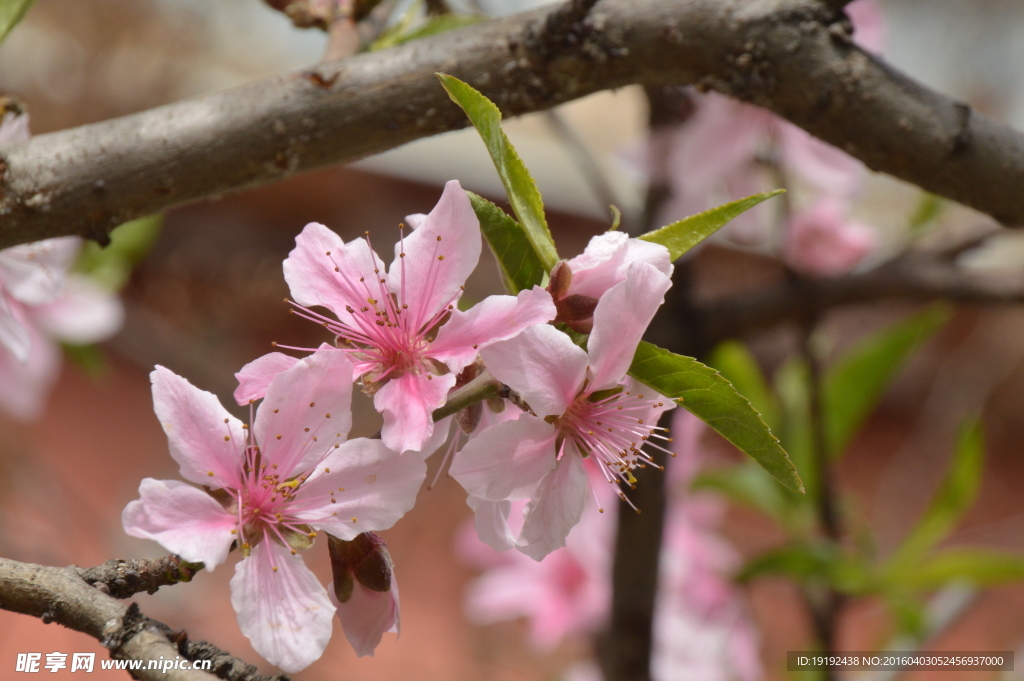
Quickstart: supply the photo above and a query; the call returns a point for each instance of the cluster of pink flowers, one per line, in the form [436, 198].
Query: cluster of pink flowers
[271, 488]
[702, 628]
[727, 150]
[42, 304]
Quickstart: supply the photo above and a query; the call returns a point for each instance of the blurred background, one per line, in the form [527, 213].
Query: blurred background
[209, 298]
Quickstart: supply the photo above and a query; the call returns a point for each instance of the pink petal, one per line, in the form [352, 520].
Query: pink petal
[184, 519]
[556, 506]
[496, 318]
[205, 440]
[824, 241]
[25, 385]
[371, 485]
[492, 522]
[439, 256]
[367, 615]
[332, 281]
[543, 365]
[868, 24]
[407, 404]
[606, 259]
[34, 273]
[255, 377]
[823, 166]
[442, 429]
[84, 313]
[14, 334]
[306, 410]
[14, 129]
[621, 317]
[506, 461]
[415, 220]
[282, 609]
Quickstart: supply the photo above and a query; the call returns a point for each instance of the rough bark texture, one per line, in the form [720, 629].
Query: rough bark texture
[791, 56]
[125, 578]
[62, 596]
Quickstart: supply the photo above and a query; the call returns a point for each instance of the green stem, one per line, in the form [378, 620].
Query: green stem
[481, 388]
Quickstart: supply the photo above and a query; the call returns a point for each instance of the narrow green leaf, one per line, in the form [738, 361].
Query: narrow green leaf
[522, 191]
[681, 236]
[713, 399]
[854, 385]
[797, 561]
[112, 265]
[740, 367]
[954, 496]
[432, 26]
[89, 358]
[11, 12]
[981, 567]
[517, 261]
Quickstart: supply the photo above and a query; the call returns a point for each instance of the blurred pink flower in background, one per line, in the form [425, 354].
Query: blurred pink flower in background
[41, 305]
[823, 241]
[702, 628]
[727, 150]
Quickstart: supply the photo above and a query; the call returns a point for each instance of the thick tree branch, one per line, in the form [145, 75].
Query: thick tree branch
[788, 55]
[911, 277]
[61, 595]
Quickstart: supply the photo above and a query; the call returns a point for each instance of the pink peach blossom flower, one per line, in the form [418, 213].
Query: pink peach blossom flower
[603, 263]
[268, 489]
[41, 303]
[401, 329]
[823, 241]
[584, 410]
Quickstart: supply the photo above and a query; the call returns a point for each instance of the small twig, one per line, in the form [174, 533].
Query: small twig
[586, 162]
[125, 578]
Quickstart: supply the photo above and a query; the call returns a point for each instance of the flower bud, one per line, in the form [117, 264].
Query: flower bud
[364, 591]
[561, 280]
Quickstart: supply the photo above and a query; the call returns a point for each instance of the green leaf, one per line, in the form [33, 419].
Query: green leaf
[854, 385]
[517, 261]
[981, 567]
[681, 236]
[432, 26]
[793, 384]
[89, 358]
[522, 191]
[129, 243]
[740, 367]
[713, 399]
[954, 496]
[799, 561]
[928, 208]
[11, 12]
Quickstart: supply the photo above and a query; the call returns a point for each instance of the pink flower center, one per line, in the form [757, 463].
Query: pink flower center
[612, 429]
[385, 338]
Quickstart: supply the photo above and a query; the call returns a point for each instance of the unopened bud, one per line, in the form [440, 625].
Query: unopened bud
[576, 308]
[561, 280]
[364, 559]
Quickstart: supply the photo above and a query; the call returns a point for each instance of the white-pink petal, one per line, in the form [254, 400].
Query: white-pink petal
[255, 377]
[25, 385]
[494, 319]
[440, 254]
[281, 606]
[321, 270]
[307, 409]
[407, 404]
[205, 440]
[606, 258]
[34, 273]
[184, 519]
[543, 365]
[507, 460]
[367, 615]
[14, 333]
[556, 506]
[491, 522]
[620, 320]
[371, 487]
[85, 312]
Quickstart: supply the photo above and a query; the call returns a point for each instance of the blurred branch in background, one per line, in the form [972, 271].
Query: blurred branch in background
[88, 180]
